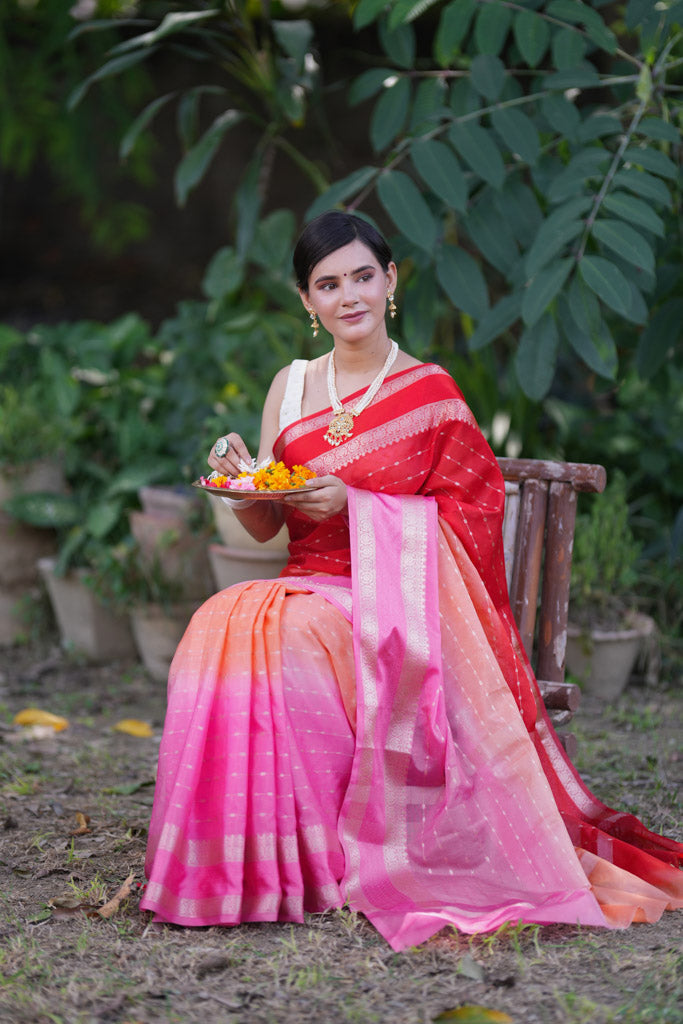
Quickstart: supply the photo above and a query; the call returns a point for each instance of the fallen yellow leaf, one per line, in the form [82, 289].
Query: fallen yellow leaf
[82, 824]
[475, 1015]
[133, 727]
[112, 906]
[34, 716]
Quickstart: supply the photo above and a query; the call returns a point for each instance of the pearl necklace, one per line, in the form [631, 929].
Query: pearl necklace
[341, 424]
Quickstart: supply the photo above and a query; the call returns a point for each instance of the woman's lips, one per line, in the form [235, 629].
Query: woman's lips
[351, 318]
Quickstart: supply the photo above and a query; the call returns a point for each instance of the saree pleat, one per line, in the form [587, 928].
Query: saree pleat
[367, 728]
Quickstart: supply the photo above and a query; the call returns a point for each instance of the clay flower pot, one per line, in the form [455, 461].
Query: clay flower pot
[603, 659]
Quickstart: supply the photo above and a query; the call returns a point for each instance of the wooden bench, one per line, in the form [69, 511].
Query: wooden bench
[538, 535]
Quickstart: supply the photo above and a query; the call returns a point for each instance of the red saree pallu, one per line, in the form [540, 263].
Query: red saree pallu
[367, 729]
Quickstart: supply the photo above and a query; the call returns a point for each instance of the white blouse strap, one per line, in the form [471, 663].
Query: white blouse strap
[290, 410]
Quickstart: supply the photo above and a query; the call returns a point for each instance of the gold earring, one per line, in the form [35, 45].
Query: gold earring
[392, 305]
[314, 322]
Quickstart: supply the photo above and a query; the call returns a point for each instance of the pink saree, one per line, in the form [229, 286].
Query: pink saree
[366, 728]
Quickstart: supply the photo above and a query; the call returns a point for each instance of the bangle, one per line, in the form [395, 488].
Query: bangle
[237, 502]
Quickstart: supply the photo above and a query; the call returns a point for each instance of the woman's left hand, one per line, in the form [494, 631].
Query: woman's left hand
[321, 498]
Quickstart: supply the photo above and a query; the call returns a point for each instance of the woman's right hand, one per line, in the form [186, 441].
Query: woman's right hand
[228, 464]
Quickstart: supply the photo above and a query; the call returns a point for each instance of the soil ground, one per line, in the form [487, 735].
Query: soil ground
[58, 965]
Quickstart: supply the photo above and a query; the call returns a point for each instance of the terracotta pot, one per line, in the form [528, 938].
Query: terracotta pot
[166, 541]
[602, 660]
[85, 624]
[238, 565]
[177, 502]
[42, 475]
[158, 631]
[20, 548]
[233, 534]
[12, 623]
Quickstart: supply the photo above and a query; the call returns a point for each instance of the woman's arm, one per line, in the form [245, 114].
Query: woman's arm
[262, 519]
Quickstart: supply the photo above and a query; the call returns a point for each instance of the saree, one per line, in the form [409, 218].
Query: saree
[366, 729]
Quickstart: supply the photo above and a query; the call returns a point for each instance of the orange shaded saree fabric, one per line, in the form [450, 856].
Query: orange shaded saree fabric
[367, 727]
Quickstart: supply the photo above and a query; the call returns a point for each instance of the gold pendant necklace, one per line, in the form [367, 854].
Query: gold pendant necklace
[341, 424]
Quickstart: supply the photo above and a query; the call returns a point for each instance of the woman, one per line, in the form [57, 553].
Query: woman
[366, 728]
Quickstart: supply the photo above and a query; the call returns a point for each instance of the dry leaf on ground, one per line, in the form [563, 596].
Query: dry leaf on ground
[82, 822]
[110, 908]
[133, 727]
[35, 716]
[475, 1015]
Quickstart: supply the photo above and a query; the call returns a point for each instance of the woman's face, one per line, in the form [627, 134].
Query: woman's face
[348, 290]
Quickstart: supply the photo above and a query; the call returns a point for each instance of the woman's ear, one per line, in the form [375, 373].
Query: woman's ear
[392, 277]
[303, 295]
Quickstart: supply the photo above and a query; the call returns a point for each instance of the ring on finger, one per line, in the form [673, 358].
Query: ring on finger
[221, 447]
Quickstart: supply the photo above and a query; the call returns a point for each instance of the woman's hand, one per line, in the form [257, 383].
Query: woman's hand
[321, 498]
[228, 463]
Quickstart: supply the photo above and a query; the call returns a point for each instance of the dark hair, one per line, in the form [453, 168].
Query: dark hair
[329, 232]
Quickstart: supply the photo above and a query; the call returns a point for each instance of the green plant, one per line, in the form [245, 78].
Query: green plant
[604, 559]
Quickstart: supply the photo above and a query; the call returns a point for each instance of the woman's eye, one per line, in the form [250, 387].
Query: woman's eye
[365, 277]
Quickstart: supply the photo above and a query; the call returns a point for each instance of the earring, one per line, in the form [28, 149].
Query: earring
[392, 305]
[314, 322]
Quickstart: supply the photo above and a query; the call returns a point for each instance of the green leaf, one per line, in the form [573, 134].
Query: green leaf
[634, 211]
[476, 146]
[44, 509]
[341, 190]
[273, 242]
[491, 234]
[549, 242]
[584, 306]
[597, 126]
[102, 518]
[561, 115]
[453, 27]
[294, 37]
[656, 128]
[462, 280]
[389, 114]
[661, 336]
[194, 164]
[491, 28]
[607, 281]
[488, 75]
[472, 1014]
[638, 311]
[368, 11]
[140, 123]
[585, 77]
[587, 164]
[652, 160]
[568, 48]
[626, 242]
[644, 86]
[224, 275]
[428, 106]
[112, 67]
[644, 185]
[597, 349]
[407, 208]
[518, 132]
[130, 479]
[170, 25]
[495, 321]
[578, 13]
[398, 44]
[439, 169]
[518, 206]
[532, 35]
[536, 357]
[368, 84]
[542, 290]
[408, 10]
